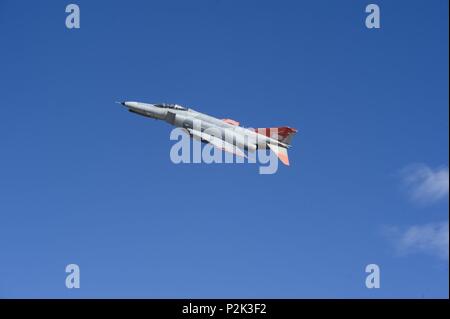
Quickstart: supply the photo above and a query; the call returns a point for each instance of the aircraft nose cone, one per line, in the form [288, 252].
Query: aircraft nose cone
[130, 104]
[122, 103]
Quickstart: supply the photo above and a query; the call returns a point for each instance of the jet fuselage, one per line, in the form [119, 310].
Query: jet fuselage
[209, 129]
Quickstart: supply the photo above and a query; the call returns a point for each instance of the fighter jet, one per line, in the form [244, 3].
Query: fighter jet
[224, 134]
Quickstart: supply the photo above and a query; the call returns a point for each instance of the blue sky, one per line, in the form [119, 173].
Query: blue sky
[83, 181]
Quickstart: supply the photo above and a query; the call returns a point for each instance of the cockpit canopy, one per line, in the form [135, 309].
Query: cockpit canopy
[171, 106]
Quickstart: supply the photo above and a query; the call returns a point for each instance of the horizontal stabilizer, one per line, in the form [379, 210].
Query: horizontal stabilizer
[281, 152]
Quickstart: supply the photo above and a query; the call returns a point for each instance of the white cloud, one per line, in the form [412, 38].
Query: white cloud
[425, 184]
[429, 238]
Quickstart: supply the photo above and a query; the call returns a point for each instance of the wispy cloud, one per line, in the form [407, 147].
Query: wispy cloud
[430, 238]
[426, 185]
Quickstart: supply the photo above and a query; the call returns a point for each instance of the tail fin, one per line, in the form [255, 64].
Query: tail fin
[281, 152]
[283, 134]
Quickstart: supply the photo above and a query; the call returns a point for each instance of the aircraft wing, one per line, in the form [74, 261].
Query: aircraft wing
[217, 142]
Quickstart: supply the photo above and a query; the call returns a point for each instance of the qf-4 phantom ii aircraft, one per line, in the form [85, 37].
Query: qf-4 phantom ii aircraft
[228, 134]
